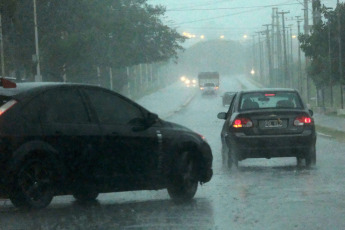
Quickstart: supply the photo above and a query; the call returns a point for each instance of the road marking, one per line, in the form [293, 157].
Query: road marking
[325, 135]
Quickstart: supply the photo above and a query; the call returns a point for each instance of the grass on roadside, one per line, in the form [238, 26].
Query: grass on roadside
[338, 135]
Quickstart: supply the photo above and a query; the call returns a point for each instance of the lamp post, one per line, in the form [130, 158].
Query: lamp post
[340, 57]
[38, 76]
[330, 58]
[2, 50]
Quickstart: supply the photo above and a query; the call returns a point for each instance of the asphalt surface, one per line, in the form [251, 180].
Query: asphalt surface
[261, 194]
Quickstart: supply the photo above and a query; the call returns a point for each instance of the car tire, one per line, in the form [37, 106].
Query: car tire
[225, 158]
[33, 185]
[310, 157]
[85, 195]
[299, 161]
[234, 156]
[183, 184]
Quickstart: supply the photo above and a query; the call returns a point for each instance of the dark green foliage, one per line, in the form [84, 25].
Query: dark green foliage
[85, 34]
[316, 47]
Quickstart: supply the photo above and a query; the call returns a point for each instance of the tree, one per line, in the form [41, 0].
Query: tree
[316, 47]
[81, 35]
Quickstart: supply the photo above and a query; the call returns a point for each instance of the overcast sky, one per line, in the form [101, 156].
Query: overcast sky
[231, 18]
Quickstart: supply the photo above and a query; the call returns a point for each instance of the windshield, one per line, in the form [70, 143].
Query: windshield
[172, 114]
[270, 100]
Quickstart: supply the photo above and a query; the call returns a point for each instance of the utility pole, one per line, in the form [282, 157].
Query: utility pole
[284, 45]
[300, 82]
[279, 51]
[2, 49]
[269, 56]
[273, 37]
[291, 59]
[38, 76]
[306, 32]
[316, 6]
[291, 43]
[254, 54]
[260, 55]
[340, 57]
[330, 58]
[316, 12]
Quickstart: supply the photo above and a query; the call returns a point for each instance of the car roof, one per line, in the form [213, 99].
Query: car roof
[34, 87]
[264, 90]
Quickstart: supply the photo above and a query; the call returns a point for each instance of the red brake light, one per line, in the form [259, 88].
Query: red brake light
[301, 120]
[242, 122]
[307, 120]
[270, 94]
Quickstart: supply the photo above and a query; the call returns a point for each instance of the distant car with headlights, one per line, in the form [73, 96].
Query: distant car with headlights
[82, 140]
[209, 88]
[207, 80]
[227, 98]
[268, 123]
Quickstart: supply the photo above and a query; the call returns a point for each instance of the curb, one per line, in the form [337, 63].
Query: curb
[185, 104]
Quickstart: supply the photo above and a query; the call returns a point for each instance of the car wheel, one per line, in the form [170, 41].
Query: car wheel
[33, 185]
[225, 158]
[184, 184]
[310, 157]
[299, 161]
[85, 196]
[234, 155]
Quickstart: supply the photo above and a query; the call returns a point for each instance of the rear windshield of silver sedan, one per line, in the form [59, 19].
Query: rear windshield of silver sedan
[270, 100]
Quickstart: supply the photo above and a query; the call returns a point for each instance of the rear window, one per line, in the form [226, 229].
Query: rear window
[4, 99]
[270, 100]
[209, 84]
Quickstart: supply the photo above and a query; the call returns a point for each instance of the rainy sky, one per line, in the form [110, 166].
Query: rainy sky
[231, 18]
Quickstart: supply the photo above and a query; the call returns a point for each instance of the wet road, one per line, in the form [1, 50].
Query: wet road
[262, 194]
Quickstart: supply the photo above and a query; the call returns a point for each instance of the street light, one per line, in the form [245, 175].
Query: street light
[202, 36]
[252, 72]
[222, 37]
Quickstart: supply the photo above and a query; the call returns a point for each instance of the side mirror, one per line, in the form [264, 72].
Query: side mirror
[222, 116]
[151, 119]
[311, 112]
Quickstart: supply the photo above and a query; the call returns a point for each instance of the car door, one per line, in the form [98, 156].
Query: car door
[225, 130]
[67, 126]
[129, 148]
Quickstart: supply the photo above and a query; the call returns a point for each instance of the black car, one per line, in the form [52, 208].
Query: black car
[268, 123]
[227, 98]
[59, 139]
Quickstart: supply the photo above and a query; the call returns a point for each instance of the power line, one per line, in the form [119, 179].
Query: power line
[236, 8]
[223, 16]
[205, 4]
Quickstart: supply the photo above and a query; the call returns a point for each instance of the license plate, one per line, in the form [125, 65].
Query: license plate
[273, 123]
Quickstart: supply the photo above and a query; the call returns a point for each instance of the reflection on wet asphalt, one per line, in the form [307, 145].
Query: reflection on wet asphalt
[148, 214]
[261, 194]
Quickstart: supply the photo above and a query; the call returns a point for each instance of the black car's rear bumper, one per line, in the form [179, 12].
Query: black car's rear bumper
[3, 189]
[267, 146]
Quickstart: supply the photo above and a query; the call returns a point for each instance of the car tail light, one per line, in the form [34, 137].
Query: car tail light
[302, 120]
[216, 87]
[242, 122]
[7, 106]
[202, 88]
